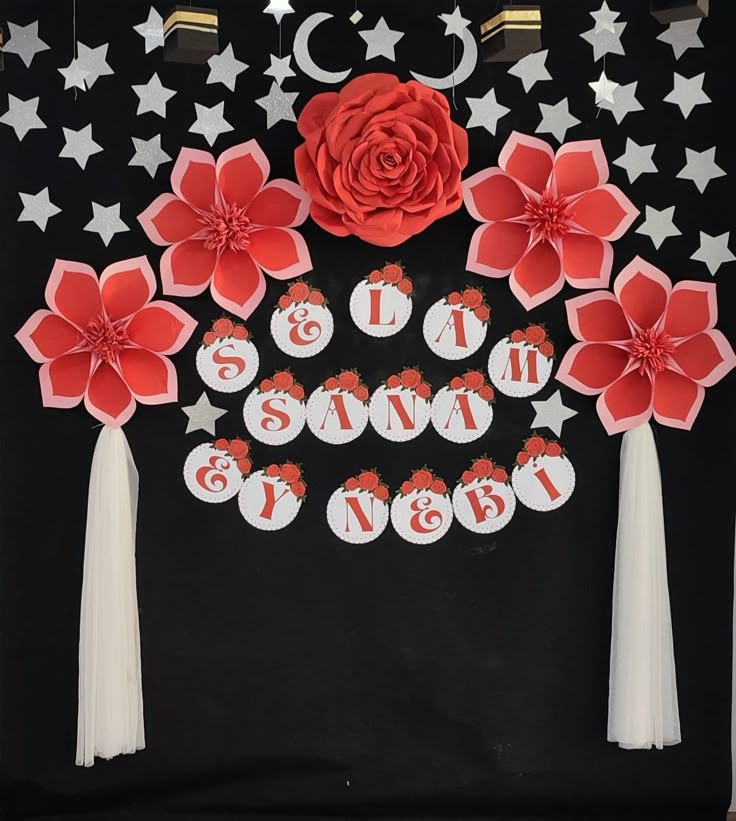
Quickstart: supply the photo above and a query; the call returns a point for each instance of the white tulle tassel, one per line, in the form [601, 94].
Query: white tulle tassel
[110, 719]
[642, 705]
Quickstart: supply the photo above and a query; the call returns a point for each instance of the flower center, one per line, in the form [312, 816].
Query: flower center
[390, 159]
[105, 338]
[549, 217]
[227, 227]
[651, 350]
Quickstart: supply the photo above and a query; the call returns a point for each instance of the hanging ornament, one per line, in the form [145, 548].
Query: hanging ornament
[190, 34]
[675, 11]
[358, 511]
[483, 500]
[512, 34]
[278, 8]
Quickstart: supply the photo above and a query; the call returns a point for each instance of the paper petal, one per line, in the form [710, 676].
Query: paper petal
[193, 178]
[64, 380]
[238, 284]
[589, 368]
[74, 292]
[280, 203]
[241, 172]
[527, 159]
[492, 195]
[162, 327]
[677, 399]
[496, 247]
[706, 358]
[281, 252]
[586, 260]
[538, 276]
[150, 377]
[597, 318]
[693, 307]
[579, 166]
[187, 268]
[108, 398]
[604, 212]
[46, 335]
[169, 219]
[126, 286]
[643, 292]
[626, 404]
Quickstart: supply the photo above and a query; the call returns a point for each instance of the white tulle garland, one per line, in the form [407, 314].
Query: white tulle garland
[110, 718]
[642, 705]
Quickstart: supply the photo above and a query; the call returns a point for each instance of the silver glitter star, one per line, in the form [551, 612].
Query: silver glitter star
[25, 42]
[278, 8]
[455, 23]
[79, 145]
[682, 36]
[381, 40]
[687, 93]
[486, 111]
[551, 413]
[531, 69]
[280, 68]
[152, 30]
[658, 225]
[74, 75]
[94, 62]
[556, 119]
[210, 122]
[701, 167]
[202, 415]
[224, 68]
[603, 88]
[605, 42]
[624, 102]
[22, 115]
[278, 105]
[713, 251]
[153, 96]
[637, 159]
[37, 208]
[604, 19]
[106, 221]
[149, 154]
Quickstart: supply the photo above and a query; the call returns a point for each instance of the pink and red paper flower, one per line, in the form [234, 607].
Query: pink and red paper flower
[547, 218]
[648, 348]
[105, 341]
[227, 226]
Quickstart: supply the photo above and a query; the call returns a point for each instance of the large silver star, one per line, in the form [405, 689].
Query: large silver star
[278, 105]
[22, 115]
[455, 23]
[713, 251]
[381, 40]
[624, 101]
[25, 42]
[152, 30]
[202, 415]
[682, 36]
[658, 225]
[37, 208]
[106, 221]
[79, 145]
[701, 167]
[637, 159]
[280, 68]
[531, 69]
[210, 122]
[153, 96]
[74, 75]
[603, 88]
[551, 413]
[604, 19]
[556, 119]
[224, 68]
[149, 154]
[278, 8]
[94, 62]
[605, 42]
[486, 111]
[687, 93]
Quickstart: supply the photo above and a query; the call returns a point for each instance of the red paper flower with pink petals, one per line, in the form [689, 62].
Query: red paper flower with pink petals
[227, 226]
[547, 218]
[105, 341]
[648, 348]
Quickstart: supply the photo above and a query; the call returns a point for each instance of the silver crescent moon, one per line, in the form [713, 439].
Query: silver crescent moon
[302, 56]
[463, 70]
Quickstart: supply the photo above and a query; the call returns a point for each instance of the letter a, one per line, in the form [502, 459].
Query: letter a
[337, 405]
[462, 405]
[456, 321]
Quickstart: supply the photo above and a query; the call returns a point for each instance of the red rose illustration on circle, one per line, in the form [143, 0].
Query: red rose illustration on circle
[368, 480]
[518, 336]
[209, 338]
[296, 392]
[352, 484]
[547, 349]
[245, 465]
[273, 470]
[238, 449]
[298, 488]
[424, 391]
[405, 287]
[455, 298]
[535, 446]
[266, 385]
[223, 327]
[468, 477]
[472, 298]
[381, 493]
[522, 457]
[535, 334]
[348, 380]
[483, 313]
[422, 479]
[316, 298]
[410, 378]
[407, 487]
[299, 291]
[290, 472]
[474, 380]
[361, 393]
[331, 384]
[456, 383]
[553, 449]
[483, 468]
[381, 159]
[393, 381]
[375, 276]
[486, 393]
[282, 380]
[285, 302]
[438, 486]
[240, 332]
[499, 475]
[222, 444]
[392, 273]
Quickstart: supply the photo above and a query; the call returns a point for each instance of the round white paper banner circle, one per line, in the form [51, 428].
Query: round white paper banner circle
[273, 417]
[229, 365]
[421, 517]
[544, 483]
[484, 506]
[336, 417]
[379, 309]
[517, 369]
[460, 416]
[398, 415]
[212, 475]
[302, 330]
[452, 331]
[267, 503]
[356, 516]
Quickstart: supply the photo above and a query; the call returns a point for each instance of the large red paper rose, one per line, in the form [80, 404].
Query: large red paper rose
[381, 159]
[648, 348]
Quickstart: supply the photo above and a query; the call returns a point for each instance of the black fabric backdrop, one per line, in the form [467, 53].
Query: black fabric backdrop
[289, 674]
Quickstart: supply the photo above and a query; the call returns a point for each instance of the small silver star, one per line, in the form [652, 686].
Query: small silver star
[278, 8]
[637, 159]
[22, 115]
[531, 69]
[603, 88]
[381, 40]
[701, 167]
[604, 19]
[280, 68]
[486, 111]
[624, 102]
[37, 208]
[79, 145]
[682, 36]
[455, 23]
[153, 96]
[658, 225]
[74, 75]
[94, 62]
[106, 221]
[149, 154]
[152, 30]
[224, 68]
[687, 93]
[278, 105]
[202, 415]
[25, 42]
[551, 413]
[556, 119]
[713, 251]
[210, 122]
[605, 42]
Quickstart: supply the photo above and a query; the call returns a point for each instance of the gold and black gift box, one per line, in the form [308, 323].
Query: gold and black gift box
[190, 35]
[511, 34]
[675, 11]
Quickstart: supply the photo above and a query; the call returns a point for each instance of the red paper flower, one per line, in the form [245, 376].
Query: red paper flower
[104, 340]
[647, 349]
[548, 217]
[381, 159]
[226, 226]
